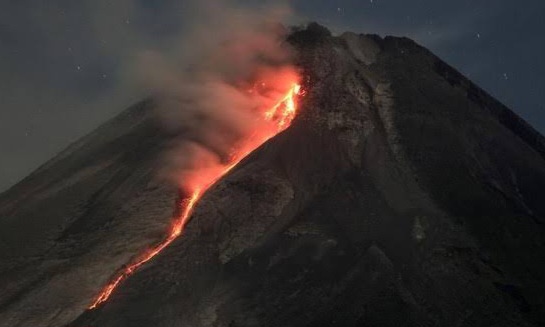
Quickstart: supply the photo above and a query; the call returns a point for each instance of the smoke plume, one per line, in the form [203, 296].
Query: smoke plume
[214, 86]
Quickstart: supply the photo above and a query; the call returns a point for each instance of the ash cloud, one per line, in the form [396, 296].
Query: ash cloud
[206, 84]
[83, 62]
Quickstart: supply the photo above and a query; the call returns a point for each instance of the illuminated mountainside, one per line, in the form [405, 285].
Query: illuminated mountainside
[401, 195]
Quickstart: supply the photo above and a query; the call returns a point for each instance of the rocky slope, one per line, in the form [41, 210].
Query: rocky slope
[402, 195]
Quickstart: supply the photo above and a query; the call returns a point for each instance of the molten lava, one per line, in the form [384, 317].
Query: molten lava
[276, 118]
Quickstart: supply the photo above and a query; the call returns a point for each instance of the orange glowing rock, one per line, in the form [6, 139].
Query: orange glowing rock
[276, 119]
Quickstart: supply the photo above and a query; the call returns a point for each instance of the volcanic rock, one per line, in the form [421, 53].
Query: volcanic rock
[402, 195]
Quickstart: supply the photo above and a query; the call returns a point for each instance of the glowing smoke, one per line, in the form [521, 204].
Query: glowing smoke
[231, 65]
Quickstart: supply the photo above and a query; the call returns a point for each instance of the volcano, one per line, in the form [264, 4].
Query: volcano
[402, 194]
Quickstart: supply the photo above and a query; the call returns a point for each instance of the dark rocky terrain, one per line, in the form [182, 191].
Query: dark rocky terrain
[402, 195]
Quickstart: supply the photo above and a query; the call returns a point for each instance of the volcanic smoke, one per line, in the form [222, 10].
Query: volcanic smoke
[273, 120]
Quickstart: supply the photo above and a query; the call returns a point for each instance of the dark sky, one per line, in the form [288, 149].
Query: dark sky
[62, 63]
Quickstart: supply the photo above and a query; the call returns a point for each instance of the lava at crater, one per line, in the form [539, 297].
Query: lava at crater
[277, 108]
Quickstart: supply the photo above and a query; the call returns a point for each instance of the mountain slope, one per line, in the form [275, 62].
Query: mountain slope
[402, 195]
[67, 227]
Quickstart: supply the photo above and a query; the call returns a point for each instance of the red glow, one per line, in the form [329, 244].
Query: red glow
[280, 107]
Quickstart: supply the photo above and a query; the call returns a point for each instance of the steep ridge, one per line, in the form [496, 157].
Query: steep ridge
[402, 195]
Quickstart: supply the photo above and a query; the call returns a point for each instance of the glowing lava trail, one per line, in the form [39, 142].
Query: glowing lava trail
[276, 119]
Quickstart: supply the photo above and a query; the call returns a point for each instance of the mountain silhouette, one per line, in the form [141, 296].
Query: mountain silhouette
[401, 195]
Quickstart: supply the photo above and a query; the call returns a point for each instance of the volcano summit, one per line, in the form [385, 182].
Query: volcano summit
[401, 195]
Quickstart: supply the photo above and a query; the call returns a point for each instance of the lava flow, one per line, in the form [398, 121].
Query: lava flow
[276, 118]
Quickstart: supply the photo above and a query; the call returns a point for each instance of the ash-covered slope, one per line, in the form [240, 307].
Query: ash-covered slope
[68, 226]
[402, 195]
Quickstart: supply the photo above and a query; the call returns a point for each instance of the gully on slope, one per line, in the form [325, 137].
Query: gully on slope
[274, 120]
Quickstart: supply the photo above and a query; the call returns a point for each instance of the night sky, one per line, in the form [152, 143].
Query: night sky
[62, 62]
